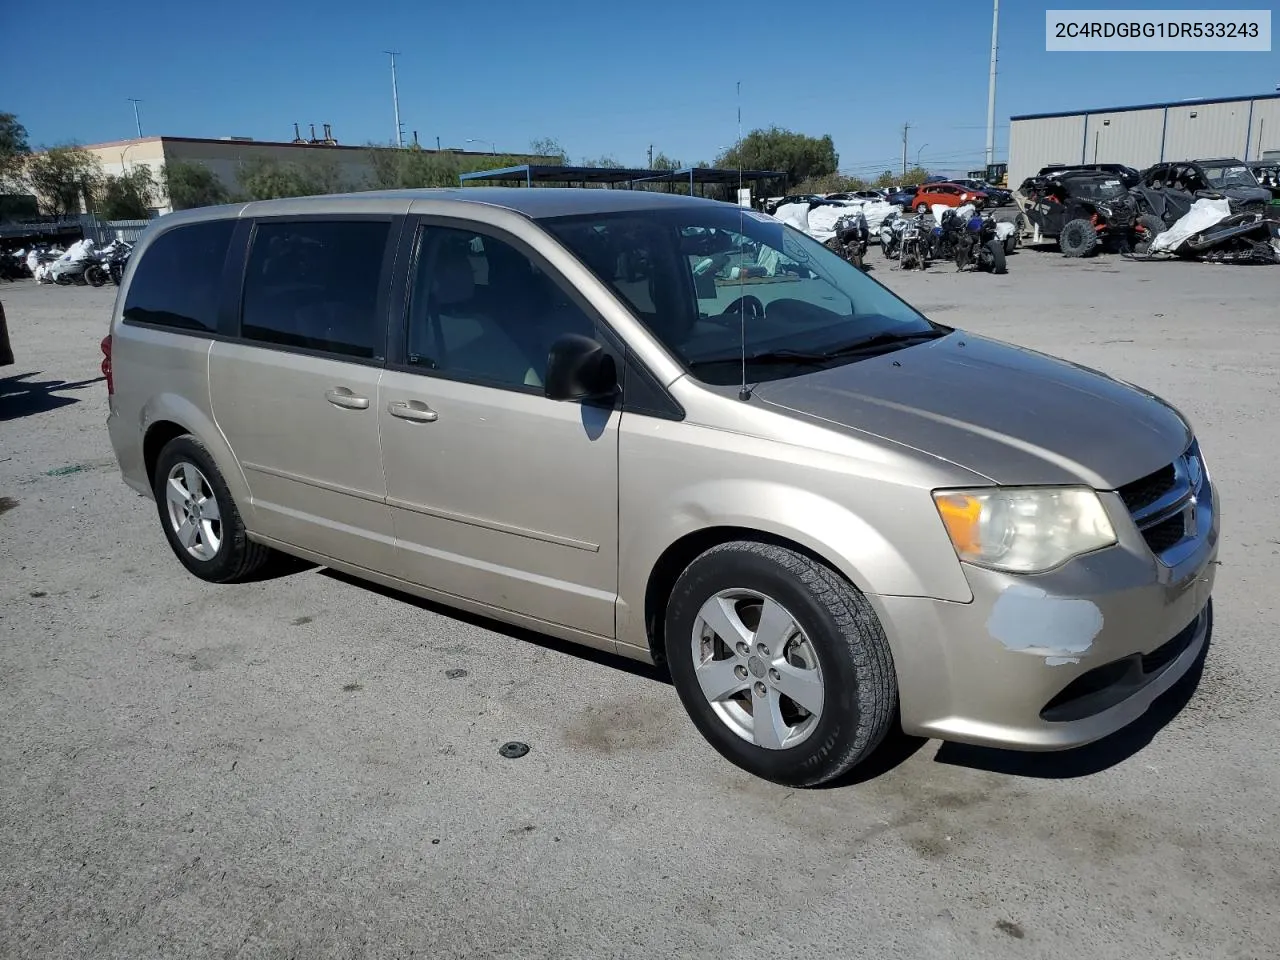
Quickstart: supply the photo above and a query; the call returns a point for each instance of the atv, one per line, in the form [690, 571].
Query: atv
[1087, 210]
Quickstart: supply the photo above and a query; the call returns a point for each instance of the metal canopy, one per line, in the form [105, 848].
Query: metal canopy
[529, 174]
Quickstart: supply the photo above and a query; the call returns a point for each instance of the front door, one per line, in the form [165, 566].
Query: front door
[296, 394]
[497, 494]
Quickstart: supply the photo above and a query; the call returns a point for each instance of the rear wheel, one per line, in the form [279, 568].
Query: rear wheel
[995, 250]
[95, 275]
[1078, 238]
[780, 662]
[200, 520]
[1149, 227]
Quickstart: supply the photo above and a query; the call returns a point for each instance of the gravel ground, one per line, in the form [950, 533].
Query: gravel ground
[309, 767]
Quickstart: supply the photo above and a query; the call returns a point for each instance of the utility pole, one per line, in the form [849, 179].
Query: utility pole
[395, 97]
[991, 87]
[905, 128]
[651, 156]
[136, 119]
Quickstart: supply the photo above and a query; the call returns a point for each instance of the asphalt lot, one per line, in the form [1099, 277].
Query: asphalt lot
[297, 767]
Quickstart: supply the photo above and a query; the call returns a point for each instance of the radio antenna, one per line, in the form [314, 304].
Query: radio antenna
[743, 393]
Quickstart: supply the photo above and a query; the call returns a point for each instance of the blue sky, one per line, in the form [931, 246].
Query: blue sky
[603, 79]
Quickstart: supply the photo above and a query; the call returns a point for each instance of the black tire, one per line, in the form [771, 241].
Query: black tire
[1011, 243]
[95, 275]
[860, 694]
[1152, 226]
[1078, 238]
[996, 249]
[237, 557]
[922, 207]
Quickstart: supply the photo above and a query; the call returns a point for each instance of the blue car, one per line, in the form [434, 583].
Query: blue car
[903, 196]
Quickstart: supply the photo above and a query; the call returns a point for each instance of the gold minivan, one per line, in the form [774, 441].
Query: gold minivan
[675, 429]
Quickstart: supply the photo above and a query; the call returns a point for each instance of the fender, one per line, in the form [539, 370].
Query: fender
[177, 409]
[922, 565]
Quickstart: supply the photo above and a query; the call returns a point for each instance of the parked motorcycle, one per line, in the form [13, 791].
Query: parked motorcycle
[969, 241]
[41, 259]
[115, 257]
[851, 238]
[913, 243]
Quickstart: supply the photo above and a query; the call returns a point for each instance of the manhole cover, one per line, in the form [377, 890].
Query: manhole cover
[514, 749]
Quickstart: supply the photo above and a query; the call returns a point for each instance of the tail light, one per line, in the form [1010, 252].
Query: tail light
[106, 364]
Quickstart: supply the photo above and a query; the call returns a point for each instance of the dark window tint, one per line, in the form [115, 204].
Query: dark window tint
[483, 310]
[314, 284]
[177, 281]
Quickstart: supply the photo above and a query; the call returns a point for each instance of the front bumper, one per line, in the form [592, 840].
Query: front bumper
[1060, 659]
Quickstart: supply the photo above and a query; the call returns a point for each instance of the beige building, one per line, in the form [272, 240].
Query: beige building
[224, 157]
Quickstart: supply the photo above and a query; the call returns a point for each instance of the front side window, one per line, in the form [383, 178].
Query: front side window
[482, 310]
[714, 282]
[314, 284]
[178, 279]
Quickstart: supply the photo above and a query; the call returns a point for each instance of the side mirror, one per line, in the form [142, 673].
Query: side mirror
[579, 368]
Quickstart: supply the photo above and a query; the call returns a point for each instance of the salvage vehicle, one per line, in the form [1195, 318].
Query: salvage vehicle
[947, 195]
[828, 514]
[852, 237]
[1086, 210]
[1210, 231]
[1171, 188]
[1268, 175]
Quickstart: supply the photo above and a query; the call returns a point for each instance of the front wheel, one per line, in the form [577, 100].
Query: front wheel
[1078, 238]
[1149, 227]
[781, 663]
[95, 275]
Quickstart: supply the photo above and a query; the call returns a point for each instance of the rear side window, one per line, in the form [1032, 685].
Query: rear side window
[177, 282]
[314, 284]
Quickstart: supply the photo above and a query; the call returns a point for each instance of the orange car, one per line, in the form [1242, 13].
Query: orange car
[948, 195]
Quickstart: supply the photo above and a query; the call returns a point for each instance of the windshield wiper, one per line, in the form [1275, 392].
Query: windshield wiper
[866, 345]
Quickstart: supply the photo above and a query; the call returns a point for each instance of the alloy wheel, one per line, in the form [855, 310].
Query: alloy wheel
[757, 668]
[193, 511]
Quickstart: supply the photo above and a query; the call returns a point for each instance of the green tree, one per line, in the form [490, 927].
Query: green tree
[265, 178]
[63, 176]
[13, 148]
[797, 155]
[129, 196]
[663, 162]
[193, 185]
[548, 148]
[607, 162]
[915, 175]
[885, 180]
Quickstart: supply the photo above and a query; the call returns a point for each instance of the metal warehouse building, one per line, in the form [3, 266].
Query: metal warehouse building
[1246, 128]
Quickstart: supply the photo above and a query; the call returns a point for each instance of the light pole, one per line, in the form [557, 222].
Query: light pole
[492, 146]
[991, 86]
[137, 120]
[395, 97]
[918, 152]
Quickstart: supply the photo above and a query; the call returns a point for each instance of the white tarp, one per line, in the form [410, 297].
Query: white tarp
[1005, 229]
[1204, 213]
[80, 250]
[823, 218]
[795, 214]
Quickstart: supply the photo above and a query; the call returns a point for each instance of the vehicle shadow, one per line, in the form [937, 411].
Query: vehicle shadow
[1088, 760]
[590, 654]
[22, 397]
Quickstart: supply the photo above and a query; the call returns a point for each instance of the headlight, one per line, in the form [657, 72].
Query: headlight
[1024, 529]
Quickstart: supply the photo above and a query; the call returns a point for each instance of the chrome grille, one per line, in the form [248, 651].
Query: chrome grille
[1164, 503]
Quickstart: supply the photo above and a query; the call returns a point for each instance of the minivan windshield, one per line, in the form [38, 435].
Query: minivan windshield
[1230, 175]
[716, 282]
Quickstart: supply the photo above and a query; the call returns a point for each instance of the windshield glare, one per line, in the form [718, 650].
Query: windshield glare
[707, 281]
[1234, 175]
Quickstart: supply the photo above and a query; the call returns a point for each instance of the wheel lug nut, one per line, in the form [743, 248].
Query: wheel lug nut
[743, 649]
[774, 675]
[759, 688]
[762, 650]
[740, 672]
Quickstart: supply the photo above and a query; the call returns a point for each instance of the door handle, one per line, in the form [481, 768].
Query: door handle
[414, 410]
[342, 397]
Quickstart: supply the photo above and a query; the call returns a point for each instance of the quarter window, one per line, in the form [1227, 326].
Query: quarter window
[480, 309]
[314, 284]
[178, 279]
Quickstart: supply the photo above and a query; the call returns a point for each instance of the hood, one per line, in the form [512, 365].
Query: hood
[1005, 412]
[1246, 194]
